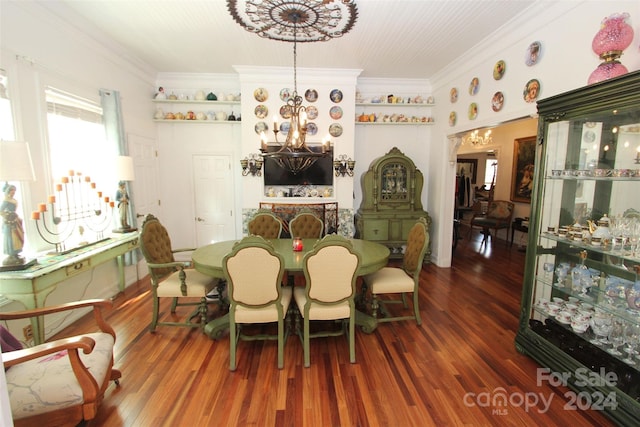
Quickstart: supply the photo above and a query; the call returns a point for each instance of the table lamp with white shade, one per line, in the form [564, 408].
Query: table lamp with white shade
[15, 165]
[124, 173]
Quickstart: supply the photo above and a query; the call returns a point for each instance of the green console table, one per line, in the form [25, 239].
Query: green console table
[32, 285]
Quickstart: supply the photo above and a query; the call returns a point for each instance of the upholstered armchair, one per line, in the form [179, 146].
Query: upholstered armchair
[394, 280]
[497, 217]
[330, 273]
[254, 274]
[265, 224]
[306, 226]
[60, 382]
[174, 279]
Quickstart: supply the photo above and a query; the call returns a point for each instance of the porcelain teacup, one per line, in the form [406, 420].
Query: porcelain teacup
[602, 172]
[564, 317]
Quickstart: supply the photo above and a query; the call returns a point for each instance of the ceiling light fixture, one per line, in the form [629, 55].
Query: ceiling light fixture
[475, 138]
[294, 21]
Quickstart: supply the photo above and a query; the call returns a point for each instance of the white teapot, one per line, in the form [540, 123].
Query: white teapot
[601, 230]
[221, 115]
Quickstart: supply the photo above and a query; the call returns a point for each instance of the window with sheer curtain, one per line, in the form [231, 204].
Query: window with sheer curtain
[77, 139]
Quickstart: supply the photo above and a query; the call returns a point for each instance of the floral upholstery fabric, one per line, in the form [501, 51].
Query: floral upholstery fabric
[500, 210]
[48, 383]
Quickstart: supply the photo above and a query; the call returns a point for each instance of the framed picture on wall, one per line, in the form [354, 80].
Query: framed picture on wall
[524, 154]
[467, 168]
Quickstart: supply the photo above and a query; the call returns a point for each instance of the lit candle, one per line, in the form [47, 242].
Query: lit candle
[99, 193]
[93, 185]
[58, 187]
[42, 207]
[65, 180]
[87, 179]
[112, 203]
[303, 118]
[35, 215]
[71, 172]
[106, 199]
[275, 123]
[263, 139]
[324, 145]
[51, 199]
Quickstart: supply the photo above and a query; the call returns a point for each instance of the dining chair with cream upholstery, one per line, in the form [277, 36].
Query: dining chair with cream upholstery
[61, 381]
[306, 225]
[400, 280]
[254, 271]
[265, 224]
[173, 279]
[330, 273]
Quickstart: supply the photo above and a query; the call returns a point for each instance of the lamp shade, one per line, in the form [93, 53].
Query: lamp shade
[124, 168]
[15, 161]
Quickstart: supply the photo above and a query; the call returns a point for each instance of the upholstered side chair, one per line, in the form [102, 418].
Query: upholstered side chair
[306, 226]
[254, 271]
[330, 272]
[265, 224]
[60, 382]
[498, 216]
[173, 279]
[400, 280]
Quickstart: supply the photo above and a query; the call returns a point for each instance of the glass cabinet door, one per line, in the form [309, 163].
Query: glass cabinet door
[581, 297]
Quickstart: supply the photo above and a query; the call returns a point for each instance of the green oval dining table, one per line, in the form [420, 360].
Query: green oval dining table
[208, 260]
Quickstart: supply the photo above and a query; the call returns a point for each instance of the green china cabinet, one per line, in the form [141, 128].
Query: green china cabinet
[580, 312]
[391, 202]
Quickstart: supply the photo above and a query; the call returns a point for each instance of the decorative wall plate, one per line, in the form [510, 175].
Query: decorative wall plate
[261, 111]
[534, 51]
[474, 86]
[497, 101]
[285, 112]
[335, 130]
[285, 94]
[261, 127]
[531, 90]
[473, 111]
[336, 95]
[499, 69]
[335, 112]
[261, 94]
[453, 117]
[453, 95]
[311, 95]
[312, 112]
[284, 127]
[312, 129]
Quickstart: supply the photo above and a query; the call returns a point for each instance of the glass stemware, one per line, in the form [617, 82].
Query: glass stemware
[601, 325]
[561, 273]
[616, 336]
[631, 339]
[548, 270]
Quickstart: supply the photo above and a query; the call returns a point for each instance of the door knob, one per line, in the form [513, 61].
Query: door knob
[139, 215]
[199, 219]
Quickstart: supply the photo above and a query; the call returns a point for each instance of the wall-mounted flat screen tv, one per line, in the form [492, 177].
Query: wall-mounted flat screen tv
[320, 173]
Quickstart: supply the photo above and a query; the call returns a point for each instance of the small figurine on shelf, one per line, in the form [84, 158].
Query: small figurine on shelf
[161, 94]
[122, 197]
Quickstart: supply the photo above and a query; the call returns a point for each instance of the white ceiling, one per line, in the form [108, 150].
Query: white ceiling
[390, 38]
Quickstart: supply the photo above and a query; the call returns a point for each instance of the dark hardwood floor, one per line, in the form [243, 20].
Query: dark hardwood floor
[446, 372]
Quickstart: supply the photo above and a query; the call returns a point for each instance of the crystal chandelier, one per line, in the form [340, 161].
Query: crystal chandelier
[293, 21]
[475, 138]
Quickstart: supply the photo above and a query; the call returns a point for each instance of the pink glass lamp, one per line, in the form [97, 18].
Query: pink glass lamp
[615, 35]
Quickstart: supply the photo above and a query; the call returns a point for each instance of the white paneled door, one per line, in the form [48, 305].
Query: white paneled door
[145, 186]
[214, 199]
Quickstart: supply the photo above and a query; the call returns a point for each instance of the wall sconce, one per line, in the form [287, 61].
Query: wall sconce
[343, 165]
[252, 165]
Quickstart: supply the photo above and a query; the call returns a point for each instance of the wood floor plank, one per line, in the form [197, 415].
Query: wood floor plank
[405, 375]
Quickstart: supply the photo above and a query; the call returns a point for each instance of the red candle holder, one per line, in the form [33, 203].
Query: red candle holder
[297, 244]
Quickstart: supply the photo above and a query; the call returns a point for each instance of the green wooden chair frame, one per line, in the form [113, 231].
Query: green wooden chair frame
[265, 224]
[330, 273]
[417, 245]
[306, 225]
[254, 271]
[155, 245]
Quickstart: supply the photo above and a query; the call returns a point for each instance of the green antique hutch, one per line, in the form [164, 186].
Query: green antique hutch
[391, 202]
